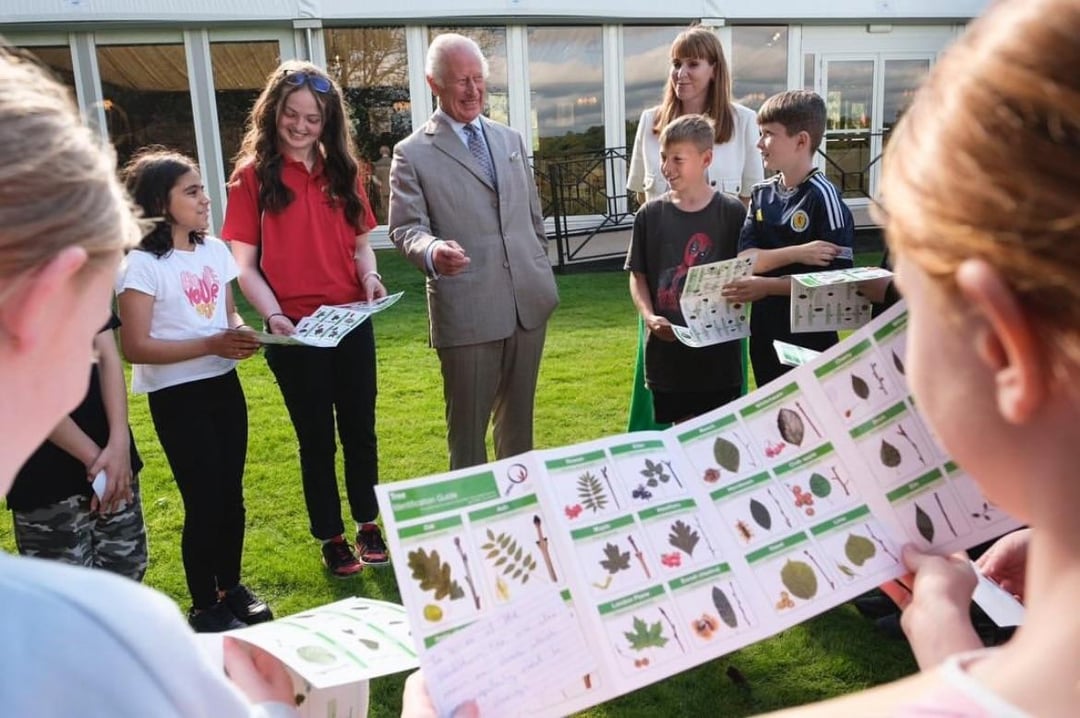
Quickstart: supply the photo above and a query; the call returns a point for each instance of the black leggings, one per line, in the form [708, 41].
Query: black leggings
[202, 426]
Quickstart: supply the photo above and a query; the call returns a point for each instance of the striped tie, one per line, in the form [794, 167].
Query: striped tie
[480, 152]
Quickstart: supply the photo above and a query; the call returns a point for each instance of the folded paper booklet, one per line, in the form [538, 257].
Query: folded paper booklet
[711, 319]
[669, 549]
[332, 651]
[330, 323]
[832, 300]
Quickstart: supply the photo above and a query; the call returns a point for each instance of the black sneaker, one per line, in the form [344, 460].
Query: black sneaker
[215, 619]
[339, 558]
[246, 606]
[371, 547]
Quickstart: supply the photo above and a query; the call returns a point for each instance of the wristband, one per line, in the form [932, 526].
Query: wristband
[372, 273]
[241, 326]
[275, 314]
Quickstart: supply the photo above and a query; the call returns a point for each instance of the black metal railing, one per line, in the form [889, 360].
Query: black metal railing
[577, 185]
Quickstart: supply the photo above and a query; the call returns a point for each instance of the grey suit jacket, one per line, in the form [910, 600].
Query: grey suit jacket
[438, 191]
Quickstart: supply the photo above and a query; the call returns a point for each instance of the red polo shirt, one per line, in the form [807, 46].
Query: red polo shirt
[307, 248]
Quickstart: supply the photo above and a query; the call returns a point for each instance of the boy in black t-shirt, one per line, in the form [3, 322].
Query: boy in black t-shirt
[56, 513]
[690, 225]
[797, 224]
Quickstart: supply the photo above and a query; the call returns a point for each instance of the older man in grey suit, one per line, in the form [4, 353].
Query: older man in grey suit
[464, 210]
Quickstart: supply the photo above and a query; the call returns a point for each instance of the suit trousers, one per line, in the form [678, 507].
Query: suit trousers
[321, 385]
[491, 380]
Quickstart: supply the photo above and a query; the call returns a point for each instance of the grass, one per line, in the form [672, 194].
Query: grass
[583, 394]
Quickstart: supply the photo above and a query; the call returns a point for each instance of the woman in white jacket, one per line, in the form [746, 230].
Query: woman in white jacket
[699, 82]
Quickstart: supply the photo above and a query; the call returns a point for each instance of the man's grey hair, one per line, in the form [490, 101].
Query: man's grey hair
[445, 44]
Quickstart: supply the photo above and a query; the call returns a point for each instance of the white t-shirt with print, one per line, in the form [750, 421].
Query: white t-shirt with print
[188, 288]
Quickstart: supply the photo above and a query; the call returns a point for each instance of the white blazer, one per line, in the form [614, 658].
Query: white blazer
[736, 165]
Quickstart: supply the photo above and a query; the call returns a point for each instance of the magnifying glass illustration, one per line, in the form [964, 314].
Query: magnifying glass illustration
[516, 473]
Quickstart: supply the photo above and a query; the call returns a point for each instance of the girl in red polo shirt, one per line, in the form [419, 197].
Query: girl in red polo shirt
[298, 221]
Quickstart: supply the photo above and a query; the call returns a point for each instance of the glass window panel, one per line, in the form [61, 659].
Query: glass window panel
[566, 79]
[809, 61]
[146, 97]
[902, 78]
[371, 65]
[492, 42]
[646, 68]
[759, 60]
[240, 71]
[849, 108]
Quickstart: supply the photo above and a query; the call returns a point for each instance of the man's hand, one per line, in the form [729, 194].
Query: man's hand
[449, 258]
[818, 253]
[746, 289]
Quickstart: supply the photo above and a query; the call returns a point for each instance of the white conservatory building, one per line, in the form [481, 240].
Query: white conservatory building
[572, 76]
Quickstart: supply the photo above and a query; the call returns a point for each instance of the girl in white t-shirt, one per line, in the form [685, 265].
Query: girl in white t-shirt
[183, 335]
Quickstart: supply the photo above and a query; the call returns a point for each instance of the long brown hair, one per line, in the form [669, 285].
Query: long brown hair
[336, 144]
[986, 164]
[699, 43]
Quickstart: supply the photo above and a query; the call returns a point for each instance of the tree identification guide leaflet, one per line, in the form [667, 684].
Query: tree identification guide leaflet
[332, 651]
[669, 549]
[831, 300]
[329, 324]
[711, 319]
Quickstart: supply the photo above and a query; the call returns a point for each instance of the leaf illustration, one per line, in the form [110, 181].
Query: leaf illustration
[646, 636]
[370, 644]
[859, 386]
[760, 514]
[727, 454]
[434, 575]
[616, 560]
[505, 553]
[683, 537]
[845, 570]
[859, 549]
[898, 363]
[790, 425]
[890, 455]
[723, 605]
[800, 579]
[819, 485]
[591, 492]
[924, 524]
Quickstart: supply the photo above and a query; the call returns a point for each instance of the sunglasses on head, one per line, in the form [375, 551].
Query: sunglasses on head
[298, 78]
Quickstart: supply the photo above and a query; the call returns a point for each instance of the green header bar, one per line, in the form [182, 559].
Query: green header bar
[451, 522]
[706, 429]
[777, 548]
[801, 462]
[841, 520]
[740, 486]
[633, 599]
[892, 327]
[697, 577]
[914, 487]
[572, 461]
[635, 447]
[880, 420]
[770, 401]
[600, 529]
[505, 508]
[843, 360]
[450, 495]
[664, 509]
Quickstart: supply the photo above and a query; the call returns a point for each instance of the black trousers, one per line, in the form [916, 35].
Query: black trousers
[321, 388]
[202, 426]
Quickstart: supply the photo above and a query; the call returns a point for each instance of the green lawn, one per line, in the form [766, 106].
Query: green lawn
[583, 394]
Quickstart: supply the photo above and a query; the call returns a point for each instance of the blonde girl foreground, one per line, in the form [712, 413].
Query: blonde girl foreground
[78, 641]
[983, 215]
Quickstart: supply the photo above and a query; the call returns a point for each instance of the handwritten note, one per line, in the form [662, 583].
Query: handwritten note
[510, 660]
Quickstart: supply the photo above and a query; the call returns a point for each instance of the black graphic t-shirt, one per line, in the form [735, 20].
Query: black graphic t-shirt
[667, 241]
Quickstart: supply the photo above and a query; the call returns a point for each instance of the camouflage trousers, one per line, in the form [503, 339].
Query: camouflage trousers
[67, 531]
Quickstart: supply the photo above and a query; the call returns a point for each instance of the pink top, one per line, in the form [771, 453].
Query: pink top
[960, 695]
